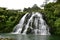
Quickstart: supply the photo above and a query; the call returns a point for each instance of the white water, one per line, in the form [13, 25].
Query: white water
[19, 26]
[34, 22]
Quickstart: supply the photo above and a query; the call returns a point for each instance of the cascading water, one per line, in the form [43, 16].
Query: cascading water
[32, 23]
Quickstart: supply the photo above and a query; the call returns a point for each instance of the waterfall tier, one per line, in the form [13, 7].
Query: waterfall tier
[32, 23]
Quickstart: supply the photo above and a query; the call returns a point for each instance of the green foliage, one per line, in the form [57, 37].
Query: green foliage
[58, 1]
[52, 14]
[8, 19]
[57, 25]
[35, 8]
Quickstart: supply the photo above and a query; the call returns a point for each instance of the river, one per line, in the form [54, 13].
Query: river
[29, 37]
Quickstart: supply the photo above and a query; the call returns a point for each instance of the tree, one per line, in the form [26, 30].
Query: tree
[52, 14]
[46, 1]
[58, 1]
[35, 6]
[57, 26]
[25, 9]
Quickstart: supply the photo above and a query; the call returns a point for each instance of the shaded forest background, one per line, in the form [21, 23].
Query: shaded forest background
[10, 18]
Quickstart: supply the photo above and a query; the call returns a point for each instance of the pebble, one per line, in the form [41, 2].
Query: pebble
[6, 39]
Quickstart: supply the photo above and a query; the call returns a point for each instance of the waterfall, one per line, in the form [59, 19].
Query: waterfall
[32, 23]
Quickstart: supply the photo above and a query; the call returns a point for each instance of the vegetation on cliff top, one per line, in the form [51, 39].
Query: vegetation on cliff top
[8, 19]
[52, 14]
